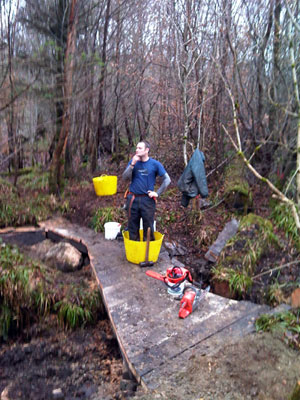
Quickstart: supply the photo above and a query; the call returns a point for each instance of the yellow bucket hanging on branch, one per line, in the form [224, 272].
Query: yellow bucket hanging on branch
[105, 185]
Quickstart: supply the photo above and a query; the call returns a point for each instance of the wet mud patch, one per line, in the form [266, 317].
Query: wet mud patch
[46, 360]
[83, 364]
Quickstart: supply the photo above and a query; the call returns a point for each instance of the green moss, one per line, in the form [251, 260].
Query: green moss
[252, 219]
[237, 190]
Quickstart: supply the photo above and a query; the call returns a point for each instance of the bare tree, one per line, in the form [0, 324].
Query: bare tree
[238, 147]
[290, 106]
[11, 23]
[293, 25]
[56, 177]
[185, 17]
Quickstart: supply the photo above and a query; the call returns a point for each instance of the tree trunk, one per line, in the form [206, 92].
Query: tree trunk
[297, 101]
[60, 35]
[56, 176]
[273, 119]
[261, 61]
[127, 128]
[12, 134]
[101, 89]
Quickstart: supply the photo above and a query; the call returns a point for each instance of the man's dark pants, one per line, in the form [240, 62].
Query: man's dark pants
[141, 207]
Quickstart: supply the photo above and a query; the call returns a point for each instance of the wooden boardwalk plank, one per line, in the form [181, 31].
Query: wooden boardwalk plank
[155, 343]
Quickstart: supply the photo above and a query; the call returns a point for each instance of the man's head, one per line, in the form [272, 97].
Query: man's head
[142, 150]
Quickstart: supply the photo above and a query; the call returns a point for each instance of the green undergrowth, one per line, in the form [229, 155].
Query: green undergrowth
[166, 219]
[29, 202]
[283, 218]
[280, 292]
[241, 255]
[31, 292]
[106, 214]
[34, 179]
[286, 323]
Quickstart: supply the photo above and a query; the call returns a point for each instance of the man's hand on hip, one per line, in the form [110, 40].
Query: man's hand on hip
[152, 194]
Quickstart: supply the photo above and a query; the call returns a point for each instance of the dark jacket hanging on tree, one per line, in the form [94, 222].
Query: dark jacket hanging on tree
[193, 180]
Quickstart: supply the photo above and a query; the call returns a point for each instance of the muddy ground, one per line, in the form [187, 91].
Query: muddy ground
[86, 364]
[259, 366]
[47, 361]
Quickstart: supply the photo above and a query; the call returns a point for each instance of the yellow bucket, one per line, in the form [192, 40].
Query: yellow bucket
[105, 185]
[136, 251]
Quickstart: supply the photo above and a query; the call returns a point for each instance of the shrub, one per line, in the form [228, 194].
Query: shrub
[283, 219]
[30, 207]
[286, 322]
[30, 291]
[103, 215]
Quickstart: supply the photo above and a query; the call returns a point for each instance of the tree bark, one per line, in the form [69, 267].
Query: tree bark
[273, 120]
[101, 89]
[12, 129]
[56, 176]
[297, 101]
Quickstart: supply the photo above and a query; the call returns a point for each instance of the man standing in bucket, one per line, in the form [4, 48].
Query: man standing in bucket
[142, 170]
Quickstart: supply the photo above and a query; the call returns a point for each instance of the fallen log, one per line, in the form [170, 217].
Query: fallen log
[227, 233]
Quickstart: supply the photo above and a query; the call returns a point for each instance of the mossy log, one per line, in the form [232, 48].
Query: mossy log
[237, 191]
[296, 392]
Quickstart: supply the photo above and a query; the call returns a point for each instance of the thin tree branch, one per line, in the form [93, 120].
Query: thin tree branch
[14, 98]
[275, 269]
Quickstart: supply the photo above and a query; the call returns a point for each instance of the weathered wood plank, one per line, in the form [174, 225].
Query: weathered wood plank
[227, 233]
[144, 317]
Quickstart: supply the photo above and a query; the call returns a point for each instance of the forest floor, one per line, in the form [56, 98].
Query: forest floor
[86, 364]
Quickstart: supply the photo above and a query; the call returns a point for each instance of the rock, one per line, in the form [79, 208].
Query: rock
[64, 256]
[164, 255]
[175, 249]
[177, 263]
[203, 203]
[40, 249]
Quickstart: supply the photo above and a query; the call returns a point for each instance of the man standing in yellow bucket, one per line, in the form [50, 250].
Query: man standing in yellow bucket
[142, 170]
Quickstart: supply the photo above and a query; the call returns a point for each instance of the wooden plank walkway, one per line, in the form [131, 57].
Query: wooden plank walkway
[155, 343]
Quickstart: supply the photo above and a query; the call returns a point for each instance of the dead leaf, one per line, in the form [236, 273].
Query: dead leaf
[295, 298]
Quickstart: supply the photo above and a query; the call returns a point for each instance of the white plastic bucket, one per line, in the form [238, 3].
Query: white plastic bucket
[111, 230]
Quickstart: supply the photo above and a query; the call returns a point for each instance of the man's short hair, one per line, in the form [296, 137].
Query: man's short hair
[146, 143]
